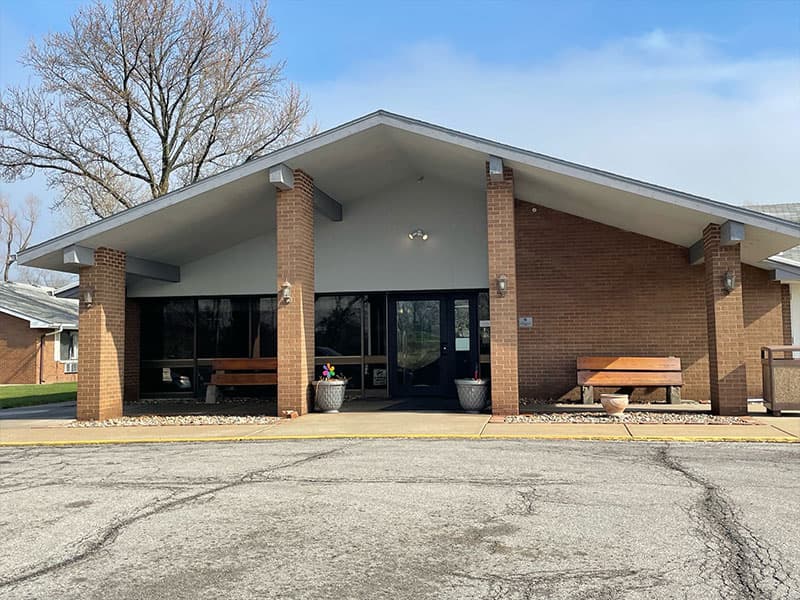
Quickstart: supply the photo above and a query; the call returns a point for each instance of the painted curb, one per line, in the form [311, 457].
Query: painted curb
[430, 436]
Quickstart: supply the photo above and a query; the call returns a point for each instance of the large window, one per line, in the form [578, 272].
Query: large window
[338, 325]
[181, 336]
[167, 329]
[265, 324]
[485, 335]
[223, 328]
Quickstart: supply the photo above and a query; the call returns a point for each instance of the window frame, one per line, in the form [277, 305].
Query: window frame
[57, 346]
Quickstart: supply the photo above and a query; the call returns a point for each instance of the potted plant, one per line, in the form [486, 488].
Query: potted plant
[473, 394]
[329, 390]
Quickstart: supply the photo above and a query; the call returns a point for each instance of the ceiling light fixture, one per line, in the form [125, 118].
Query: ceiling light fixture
[418, 234]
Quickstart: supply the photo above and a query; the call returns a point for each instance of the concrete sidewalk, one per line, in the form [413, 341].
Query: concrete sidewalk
[39, 429]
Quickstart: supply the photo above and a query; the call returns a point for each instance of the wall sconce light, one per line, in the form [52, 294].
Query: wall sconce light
[87, 297]
[729, 281]
[502, 285]
[286, 292]
[418, 234]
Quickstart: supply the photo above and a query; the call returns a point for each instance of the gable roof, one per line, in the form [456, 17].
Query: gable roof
[37, 306]
[615, 200]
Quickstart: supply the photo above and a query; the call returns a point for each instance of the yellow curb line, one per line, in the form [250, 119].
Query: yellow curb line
[433, 436]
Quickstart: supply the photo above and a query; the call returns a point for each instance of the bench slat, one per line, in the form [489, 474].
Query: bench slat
[628, 363]
[244, 379]
[244, 364]
[629, 378]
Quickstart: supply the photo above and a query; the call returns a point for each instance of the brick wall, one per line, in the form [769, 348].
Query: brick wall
[727, 356]
[295, 262]
[18, 350]
[598, 290]
[101, 340]
[763, 321]
[500, 213]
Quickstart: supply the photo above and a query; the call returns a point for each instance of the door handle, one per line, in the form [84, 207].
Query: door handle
[444, 348]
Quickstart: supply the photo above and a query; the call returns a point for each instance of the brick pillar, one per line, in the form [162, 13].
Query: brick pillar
[101, 339]
[132, 354]
[295, 235]
[786, 313]
[502, 309]
[725, 319]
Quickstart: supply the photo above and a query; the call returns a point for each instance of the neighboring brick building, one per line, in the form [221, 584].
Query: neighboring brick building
[410, 255]
[38, 335]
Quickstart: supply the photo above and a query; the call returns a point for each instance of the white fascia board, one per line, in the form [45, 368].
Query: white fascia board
[786, 261]
[782, 271]
[482, 145]
[65, 288]
[205, 185]
[592, 175]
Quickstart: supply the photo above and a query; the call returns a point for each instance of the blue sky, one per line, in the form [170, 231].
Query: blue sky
[700, 96]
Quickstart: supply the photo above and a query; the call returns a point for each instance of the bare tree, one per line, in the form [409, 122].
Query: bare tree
[16, 229]
[140, 96]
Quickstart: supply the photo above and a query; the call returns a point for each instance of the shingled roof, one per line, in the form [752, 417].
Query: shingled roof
[37, 306]
[788, 212]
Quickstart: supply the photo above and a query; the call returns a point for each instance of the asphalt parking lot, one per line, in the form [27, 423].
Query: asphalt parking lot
[401, 519]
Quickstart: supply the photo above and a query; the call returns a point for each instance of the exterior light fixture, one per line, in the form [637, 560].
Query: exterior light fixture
[87, 297]
[418, 234]
[729, 281]
[286, 292]
[502, 285]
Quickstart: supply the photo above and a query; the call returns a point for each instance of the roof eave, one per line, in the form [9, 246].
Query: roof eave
[705, 205]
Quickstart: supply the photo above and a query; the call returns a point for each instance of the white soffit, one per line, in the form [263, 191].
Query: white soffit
[380, 150]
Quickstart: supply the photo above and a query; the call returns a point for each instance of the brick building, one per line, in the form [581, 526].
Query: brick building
[38, 335]
[413, 255]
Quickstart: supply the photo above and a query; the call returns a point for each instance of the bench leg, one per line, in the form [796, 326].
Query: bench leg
[587, 394]
[673, 394]
[213, 394]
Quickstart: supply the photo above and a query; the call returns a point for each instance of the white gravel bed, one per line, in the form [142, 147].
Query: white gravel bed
[154, 420]
[633, 417]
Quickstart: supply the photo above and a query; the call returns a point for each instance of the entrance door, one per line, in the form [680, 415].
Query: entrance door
[433, 340]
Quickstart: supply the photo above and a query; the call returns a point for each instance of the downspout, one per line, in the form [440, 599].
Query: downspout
[41, 350]
[41, 358]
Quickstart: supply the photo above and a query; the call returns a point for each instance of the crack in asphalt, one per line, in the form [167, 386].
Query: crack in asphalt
[538, 584]
[110, 533]
[746, 564]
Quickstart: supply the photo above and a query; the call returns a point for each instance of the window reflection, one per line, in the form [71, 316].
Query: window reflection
[265, 336]
[338, 325]
[223, 328]
[167, 329]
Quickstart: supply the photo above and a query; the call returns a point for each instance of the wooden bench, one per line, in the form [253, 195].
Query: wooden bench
[241, 371]
[629, 372]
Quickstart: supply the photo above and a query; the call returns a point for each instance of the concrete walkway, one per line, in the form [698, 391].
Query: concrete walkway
[49, 425]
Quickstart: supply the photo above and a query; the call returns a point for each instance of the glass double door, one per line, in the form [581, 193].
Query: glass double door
[433, 339]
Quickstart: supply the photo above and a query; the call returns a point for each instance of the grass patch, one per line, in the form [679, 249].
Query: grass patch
[12, 396]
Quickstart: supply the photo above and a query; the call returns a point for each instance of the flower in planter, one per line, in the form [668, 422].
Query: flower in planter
[329, 374]
[328, 371]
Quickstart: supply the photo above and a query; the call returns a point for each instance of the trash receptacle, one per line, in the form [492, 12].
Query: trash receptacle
[781, 378]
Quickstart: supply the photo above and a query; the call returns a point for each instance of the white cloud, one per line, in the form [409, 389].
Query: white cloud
[667, 108]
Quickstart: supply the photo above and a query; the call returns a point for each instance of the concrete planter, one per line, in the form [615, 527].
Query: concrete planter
[473, 394]
[614, 404]
[329, 395]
